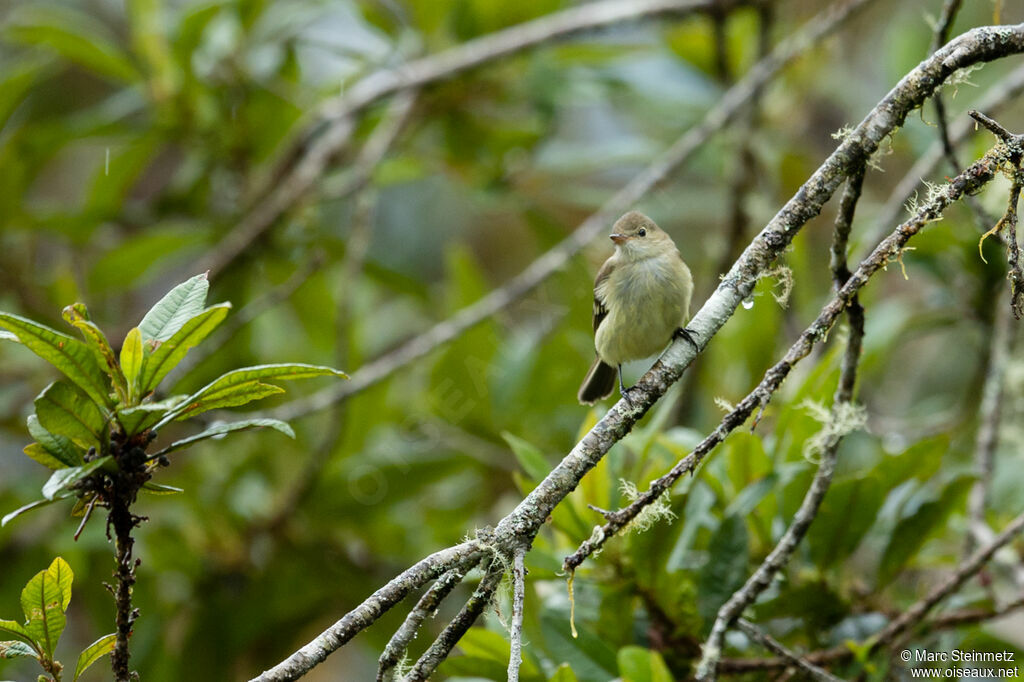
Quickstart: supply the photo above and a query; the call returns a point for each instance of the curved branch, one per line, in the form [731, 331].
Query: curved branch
[732, 102]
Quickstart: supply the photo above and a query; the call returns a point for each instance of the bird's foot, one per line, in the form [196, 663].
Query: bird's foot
[625, 395]
[683, 333]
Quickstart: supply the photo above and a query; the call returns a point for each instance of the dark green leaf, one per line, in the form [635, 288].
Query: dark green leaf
[169, 353]
[63, 478]
[233, 396]
[637, 664]
[42, 455]
[141, 417]
[726, 567]
[67, 354]
[64, 410]
[222, 429]
[177, 307]
[61, 447]
[158, 489]
[16, 649]
[529, 457]
[94, 652]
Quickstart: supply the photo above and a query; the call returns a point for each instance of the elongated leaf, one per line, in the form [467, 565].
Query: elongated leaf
[233, 396]
[168, 354]
[177, 307]
[94, 652]
[67, 354]
[63, 478]
[61, 572]
[249, 379]
[8, 336]
[529, 457]
[62, 409]
[637, 664]
[61, 447]
[10, 628]
[77, 315]
[43, 456]
[131, 362]
[222, 429]
[29, 507]
[41, 600]
[16, 650]
[141, 417]
[158, 489]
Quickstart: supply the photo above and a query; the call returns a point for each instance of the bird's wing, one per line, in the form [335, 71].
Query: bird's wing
[600, 311]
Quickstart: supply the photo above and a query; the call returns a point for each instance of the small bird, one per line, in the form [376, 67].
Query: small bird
[641, 300]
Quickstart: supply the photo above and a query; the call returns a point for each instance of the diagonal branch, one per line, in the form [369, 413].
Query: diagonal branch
[776, 647]
[329, 134]
[733, 101]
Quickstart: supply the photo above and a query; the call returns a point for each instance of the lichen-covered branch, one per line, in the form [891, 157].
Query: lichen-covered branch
[776, 647]
[515, 657]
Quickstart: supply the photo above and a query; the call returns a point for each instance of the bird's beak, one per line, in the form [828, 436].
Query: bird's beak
[618, 238]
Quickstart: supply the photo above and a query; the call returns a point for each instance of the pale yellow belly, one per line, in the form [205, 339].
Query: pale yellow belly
[646, 304]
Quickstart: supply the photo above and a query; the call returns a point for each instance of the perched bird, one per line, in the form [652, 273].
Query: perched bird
[641, 300]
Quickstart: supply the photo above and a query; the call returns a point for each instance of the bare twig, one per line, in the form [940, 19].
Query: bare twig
[515, 656]
[450, 636]
[776, 647]
[425, 607]
[989, 415]
[732, 102]
[808, 511]
[335, 121]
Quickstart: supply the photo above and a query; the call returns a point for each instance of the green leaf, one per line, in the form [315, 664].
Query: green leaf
[29, 507]
[8, 336]
[241, 386]
[77, 315]
[222, 429]
[61, 572]
[132, 358]
[67, 354]
[845, 516]
[168, 354]
[563, 674]
[62, 409]
[42, 601]
[637, 664]
[726, 567]
[63, 478]
[529, 456]
[42, 455]
[61, 447]
[141, 417]
[17, 650]
[9, 628]
[177, 307]
[158, 489]
[75, 36]
[94, 652]
[918, 524]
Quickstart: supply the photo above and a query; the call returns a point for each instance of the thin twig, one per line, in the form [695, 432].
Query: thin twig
[732, 102]
[425, 607]
[515, 656]
[908, 618]
[808, 511]
[989, 415]
[776, 647]
[450, 636]
[334, 123]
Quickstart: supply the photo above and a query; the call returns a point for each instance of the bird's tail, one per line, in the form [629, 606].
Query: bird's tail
[600, 382]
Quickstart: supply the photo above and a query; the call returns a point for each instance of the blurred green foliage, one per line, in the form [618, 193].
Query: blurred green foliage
[133, 137]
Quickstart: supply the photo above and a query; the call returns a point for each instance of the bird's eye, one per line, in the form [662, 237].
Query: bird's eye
[642, 232]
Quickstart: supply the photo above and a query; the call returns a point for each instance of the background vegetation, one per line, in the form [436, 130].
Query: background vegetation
[134, 136]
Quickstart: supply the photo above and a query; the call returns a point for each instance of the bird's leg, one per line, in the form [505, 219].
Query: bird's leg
[623, 390]
[683, 333]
